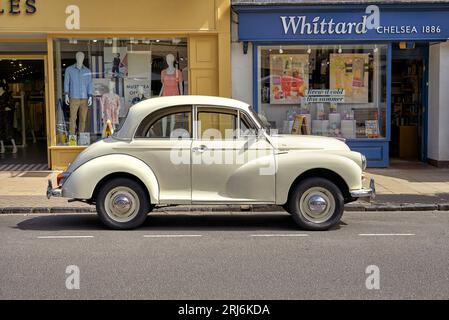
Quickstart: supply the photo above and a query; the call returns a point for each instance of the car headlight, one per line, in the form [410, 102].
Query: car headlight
[364, 162]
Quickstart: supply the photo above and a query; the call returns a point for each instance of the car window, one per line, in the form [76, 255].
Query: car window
[247, 128]
[216, 125]
[167, 123]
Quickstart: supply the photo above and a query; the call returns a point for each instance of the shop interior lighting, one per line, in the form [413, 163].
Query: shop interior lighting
[281, 51]
[309, 50]
[339, 49]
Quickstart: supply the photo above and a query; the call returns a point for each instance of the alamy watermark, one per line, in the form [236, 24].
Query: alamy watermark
[72, 282]
[372, 282]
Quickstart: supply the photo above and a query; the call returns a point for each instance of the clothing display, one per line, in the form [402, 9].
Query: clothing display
[78, 82]
[7, 109]
[97, 67]
[101, 80]
[95, 117]
[75, 106]
[171, 82]
[110, 106]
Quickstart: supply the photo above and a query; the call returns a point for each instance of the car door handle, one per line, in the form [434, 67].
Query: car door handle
[200, 149]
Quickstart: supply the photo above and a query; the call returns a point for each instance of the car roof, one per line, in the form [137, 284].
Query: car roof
[140, 110]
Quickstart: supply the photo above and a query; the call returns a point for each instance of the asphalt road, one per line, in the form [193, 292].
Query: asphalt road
[225, 256]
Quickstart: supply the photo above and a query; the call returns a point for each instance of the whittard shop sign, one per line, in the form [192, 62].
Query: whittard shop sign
[293, 24]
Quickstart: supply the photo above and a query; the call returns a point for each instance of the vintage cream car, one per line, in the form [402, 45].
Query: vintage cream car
[207, 150]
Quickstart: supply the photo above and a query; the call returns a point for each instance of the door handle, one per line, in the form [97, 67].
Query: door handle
[200, 149]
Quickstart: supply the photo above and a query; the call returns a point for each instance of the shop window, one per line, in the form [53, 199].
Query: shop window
[99, 80]
[328, 90]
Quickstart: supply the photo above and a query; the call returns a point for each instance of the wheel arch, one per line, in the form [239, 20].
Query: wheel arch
[325, 174]
[116, 175]
[87, 178]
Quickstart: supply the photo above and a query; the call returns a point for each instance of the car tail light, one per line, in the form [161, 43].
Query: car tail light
[61, 178]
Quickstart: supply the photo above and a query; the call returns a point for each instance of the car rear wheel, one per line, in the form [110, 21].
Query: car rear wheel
[316, 204]
[122, 203]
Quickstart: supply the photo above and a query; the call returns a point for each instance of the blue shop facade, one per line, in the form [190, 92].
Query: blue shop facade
[349, 71]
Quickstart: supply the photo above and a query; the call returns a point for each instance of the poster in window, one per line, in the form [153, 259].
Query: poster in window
[289, 78]
[139, 64]
[115, 62]
[132, 94]
[349, 71]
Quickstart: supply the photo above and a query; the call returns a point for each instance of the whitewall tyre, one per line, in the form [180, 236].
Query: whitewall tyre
[316, 204]
[123, 204]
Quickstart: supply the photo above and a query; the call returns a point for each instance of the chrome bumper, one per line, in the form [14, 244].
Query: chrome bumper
[365, 193]
[56, 192]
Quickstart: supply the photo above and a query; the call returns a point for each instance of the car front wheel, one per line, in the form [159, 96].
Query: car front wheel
[316, 204]
[122, 203]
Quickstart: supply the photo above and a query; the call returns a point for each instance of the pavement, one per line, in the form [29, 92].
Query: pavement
[229, 255]
[403, 186]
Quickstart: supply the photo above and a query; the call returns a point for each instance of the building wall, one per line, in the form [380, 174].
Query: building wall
[241, 67]
[438, 132]
[242, 73]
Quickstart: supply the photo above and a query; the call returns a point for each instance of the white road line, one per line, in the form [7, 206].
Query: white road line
[172, 235]
[281, 235]
[385, 234]
[64, 237]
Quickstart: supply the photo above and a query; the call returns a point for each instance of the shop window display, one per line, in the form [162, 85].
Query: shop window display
[98, 80]
[328, 90]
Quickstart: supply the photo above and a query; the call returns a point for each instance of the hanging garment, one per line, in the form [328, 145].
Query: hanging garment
[171, 82]
[96, 119]
[110, 104]
[7, 109]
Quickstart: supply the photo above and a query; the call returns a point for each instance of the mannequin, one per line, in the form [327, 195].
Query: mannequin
[110, 107]
[140, 95]
[78, 92]
[171, 78]
[6, 117]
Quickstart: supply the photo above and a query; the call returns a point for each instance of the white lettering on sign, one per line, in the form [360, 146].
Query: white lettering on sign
[73, 21]
[318, 25]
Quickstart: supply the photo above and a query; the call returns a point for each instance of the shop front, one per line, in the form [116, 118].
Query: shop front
[85, 63]
[343, 71]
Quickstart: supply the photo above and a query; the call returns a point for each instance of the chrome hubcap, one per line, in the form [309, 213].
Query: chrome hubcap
[317, 204]
[122, 204]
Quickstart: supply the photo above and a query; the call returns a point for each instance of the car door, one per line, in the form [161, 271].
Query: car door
[163, 141]
[227, 165]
